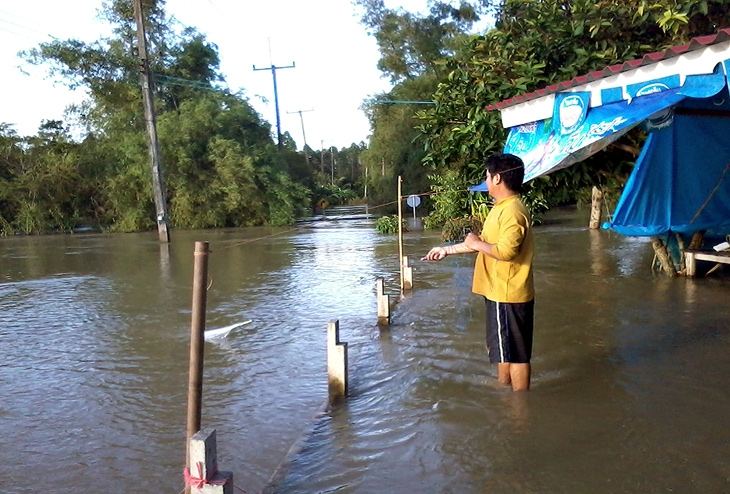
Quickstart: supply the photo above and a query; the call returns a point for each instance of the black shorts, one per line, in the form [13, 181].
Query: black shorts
[509, 331]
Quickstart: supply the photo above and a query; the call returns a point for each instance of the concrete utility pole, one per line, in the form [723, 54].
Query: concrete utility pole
[304, 135]
[321, 156]
[332, 163]
[273, 69]
[158, 184]
[301, 119]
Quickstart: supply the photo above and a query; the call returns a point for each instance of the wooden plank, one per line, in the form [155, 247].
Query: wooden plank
[716, 257]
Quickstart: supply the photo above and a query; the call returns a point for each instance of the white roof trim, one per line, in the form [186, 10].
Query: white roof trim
[701, 61]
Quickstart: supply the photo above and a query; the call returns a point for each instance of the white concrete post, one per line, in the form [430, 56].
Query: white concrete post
[407, 275]
[383, 302]
[204, 475]
[336, 361]
[596, 204]
[689, 263]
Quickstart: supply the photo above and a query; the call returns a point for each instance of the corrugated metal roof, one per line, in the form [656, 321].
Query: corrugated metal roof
[650, 58]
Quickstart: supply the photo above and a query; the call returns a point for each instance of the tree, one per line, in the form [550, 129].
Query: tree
[535, 44]
[221, 165]
[413, 51]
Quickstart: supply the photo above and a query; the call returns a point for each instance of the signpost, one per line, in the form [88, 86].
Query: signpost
[413, 201]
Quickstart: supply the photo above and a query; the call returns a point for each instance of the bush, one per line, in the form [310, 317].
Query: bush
[389, 225]
[455, 229]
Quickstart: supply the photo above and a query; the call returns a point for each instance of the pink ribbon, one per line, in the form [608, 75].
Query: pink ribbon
[200, 482]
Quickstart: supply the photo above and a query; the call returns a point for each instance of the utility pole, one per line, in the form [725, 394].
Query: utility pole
[332, 163]
[273, 69]
[301, 119]
[304, 135]
[150, 122]
[321, 157]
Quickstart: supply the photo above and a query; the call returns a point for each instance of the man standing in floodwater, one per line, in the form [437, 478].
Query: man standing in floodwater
[503, 271]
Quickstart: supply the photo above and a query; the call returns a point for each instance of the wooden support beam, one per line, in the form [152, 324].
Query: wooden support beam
[691, 258]
[661, 252]
[336, 361]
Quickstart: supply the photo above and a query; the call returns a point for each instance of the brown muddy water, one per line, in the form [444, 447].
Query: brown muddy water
[629, 387]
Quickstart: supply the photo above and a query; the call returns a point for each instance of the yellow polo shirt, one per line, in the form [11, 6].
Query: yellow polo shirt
[509, 277]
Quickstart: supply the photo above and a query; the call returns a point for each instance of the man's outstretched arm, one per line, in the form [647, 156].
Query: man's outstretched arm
[438, 253]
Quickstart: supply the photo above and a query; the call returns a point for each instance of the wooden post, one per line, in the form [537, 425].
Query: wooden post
[336, 361]
[400, 231]
[697, 239]
[204, 477]
[596, 204]
[407, 274]
[158, 184]
[383, 302]
[197, 342]
[661, 252]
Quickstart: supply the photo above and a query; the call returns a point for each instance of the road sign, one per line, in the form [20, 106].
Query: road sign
[413, 201]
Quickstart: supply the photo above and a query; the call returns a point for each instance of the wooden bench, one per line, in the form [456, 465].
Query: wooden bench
[692, 256]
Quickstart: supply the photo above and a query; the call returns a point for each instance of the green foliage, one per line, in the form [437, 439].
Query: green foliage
[412, 44]
[450, 199]
[455, 229]
[389, 225]
[535, 44]
[220, 165]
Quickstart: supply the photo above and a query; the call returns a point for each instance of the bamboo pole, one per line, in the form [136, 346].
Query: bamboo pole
[197, 342]
[400, 231]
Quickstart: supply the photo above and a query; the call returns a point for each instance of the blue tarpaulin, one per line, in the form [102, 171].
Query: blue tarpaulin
[681, 182]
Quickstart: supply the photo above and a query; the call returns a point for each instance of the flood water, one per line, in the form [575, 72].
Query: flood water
[629, 370]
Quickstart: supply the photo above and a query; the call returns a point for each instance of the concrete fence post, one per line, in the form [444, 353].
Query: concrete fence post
[202, 475]
[383, 302]
[596, 204]
[336, 361]
[407, 275]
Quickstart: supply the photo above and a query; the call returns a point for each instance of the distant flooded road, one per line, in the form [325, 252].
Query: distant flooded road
[629, 386]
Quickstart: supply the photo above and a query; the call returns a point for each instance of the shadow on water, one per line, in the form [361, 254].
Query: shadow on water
[95, 328]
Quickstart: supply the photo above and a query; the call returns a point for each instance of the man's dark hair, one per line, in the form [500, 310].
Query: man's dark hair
[509, 167]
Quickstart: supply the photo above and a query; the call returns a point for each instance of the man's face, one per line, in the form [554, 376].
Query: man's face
[490, 181]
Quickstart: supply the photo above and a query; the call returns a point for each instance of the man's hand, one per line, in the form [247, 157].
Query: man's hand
[435, 254]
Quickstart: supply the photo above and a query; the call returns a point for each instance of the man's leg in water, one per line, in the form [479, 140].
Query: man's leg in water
[503, 374]
[517, 375]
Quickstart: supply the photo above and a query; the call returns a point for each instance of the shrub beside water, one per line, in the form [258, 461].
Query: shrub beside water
[389, 224]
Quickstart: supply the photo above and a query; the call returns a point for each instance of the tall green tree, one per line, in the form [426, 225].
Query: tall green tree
[535, 44]
[413, 49]
[220, 163]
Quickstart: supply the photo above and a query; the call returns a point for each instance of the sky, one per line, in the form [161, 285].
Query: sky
[336, 61]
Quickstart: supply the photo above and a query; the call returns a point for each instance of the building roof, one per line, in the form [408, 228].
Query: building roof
[696, 43]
